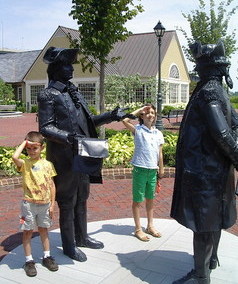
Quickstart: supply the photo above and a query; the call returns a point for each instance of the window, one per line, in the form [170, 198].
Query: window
[35, 90]
[19, 93]
[174, 72]
[88, 91]
[184, 92]
[173, 93]
[163, 98]
[140, 94]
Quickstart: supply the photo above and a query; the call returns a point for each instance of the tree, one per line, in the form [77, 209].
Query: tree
[212, 26]
[6, 93]
[101, 25]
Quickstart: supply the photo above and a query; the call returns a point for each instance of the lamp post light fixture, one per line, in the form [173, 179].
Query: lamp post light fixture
[159, 31]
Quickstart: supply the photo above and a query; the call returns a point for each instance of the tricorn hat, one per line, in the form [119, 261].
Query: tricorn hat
[209, 54]
[55, 54]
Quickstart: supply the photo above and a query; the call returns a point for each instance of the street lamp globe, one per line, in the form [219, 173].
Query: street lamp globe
[159, 30]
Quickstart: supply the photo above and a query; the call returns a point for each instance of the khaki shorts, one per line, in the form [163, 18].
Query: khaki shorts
[143, 183]
[34, 215]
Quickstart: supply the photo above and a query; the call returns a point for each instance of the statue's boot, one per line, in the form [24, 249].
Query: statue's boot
[80, 224]
[192, 278]
[202, 246]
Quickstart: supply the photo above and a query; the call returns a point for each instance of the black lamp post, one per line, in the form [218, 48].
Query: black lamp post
[159, 31]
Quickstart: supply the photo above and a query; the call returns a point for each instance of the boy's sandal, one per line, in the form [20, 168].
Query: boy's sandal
[153, 232]
[141, 236]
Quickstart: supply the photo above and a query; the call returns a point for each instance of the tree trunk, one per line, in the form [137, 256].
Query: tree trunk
[101, 97]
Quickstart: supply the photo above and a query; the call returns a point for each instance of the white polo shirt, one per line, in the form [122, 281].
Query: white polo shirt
[147, 143]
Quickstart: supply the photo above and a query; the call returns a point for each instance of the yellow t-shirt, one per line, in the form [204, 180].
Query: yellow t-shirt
[37, 176]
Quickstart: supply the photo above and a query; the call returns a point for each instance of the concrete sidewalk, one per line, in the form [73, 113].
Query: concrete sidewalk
[124, 258]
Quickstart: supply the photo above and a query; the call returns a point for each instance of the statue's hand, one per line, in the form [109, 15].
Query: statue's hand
[73, 141]
[119, 114]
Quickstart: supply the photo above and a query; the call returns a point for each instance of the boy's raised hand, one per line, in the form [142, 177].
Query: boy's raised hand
[30, 143]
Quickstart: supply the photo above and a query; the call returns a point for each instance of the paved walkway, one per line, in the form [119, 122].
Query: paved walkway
[124, 259]
[14, 129]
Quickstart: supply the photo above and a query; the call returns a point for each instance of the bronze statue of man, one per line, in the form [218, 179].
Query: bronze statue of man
[64, 116]
[207, 152]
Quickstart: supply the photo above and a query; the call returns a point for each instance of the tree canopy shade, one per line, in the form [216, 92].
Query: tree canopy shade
[209, 24]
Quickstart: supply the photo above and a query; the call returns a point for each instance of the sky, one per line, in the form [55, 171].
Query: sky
[29, 24]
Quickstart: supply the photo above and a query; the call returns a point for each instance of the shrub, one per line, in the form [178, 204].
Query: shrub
[93, 110]
[169, 155]
[20, 106]
[166, 109]
[234, 101]
[169, 148]
[34, 109]
[111, 132]
[6, 162]
[6, 93]
[170, 138]
[121, 146]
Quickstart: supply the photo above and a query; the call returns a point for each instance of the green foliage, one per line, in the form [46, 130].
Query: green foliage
[111, 132]
[130, 107]
[6, 93]
[34, 109]
[170, 138]
[93, 110]
[166, 109]
[101, 25]
[169, 155]
[209, 24]
[120, 88]
[6, 162]
[123, 89]
[169, 148]
[234, 101]
[235, 105]
[20, 106]
[121, 147]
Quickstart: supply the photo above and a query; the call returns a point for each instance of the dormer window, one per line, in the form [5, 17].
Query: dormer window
[174, 72]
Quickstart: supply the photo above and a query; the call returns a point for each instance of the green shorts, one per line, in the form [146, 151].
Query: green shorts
[143, 183]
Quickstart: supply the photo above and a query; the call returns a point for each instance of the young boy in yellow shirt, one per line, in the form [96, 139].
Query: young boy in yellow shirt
[38, 199]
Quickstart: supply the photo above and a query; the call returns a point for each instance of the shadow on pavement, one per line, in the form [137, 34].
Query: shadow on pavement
[13, 241]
